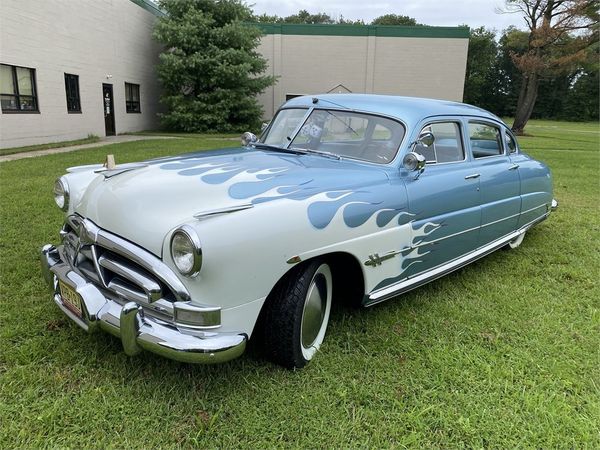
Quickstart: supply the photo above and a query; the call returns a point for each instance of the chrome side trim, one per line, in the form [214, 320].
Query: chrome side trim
[410, 283]
[475, 228]
[218, 211]
[376, 259]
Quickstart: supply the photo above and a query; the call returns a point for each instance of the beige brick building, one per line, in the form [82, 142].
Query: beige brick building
[412, 61]
[69, 68]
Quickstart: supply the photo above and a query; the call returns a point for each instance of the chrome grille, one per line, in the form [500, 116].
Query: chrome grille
[119, 267]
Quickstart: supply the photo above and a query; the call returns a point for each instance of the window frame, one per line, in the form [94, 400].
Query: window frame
[461, 133]
[489, 124]
[17, 94]
[78, 94]
[508, 133]
[128, 102]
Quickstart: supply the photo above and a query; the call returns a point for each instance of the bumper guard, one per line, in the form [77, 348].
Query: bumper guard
[137, 331]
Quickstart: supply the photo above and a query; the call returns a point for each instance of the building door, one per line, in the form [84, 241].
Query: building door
[109, 109]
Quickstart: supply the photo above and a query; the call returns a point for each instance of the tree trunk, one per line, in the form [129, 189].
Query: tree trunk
[526, 102]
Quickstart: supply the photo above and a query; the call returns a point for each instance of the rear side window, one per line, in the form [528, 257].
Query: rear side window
[485, 140]
[447, 146]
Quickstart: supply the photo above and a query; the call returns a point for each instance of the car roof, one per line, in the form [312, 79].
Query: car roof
[409, 109]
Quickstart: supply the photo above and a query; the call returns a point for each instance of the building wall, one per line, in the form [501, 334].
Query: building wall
[412, 61]
[102, 41]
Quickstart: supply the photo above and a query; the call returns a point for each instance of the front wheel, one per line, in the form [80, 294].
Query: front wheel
[297, 316]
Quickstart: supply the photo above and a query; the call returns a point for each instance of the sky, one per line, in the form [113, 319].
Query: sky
[473, 13]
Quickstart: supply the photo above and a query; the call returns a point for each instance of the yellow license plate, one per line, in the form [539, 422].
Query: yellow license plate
[70, 298]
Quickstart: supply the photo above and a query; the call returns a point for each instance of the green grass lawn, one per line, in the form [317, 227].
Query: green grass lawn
[504, 353]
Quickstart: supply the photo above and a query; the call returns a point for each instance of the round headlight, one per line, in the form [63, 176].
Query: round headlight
[186, 251]
[61, 193]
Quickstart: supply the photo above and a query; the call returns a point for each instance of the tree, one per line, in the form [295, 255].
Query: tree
[304, 16]
[549, 22]
[582, 102]
[481, 62]
[394, 19]
[210, 70]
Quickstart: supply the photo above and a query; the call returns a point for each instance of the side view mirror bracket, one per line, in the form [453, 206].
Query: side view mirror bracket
[248, 139]
[413, 161]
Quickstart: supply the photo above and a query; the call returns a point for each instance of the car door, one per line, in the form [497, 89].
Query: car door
[498, 180]
[534, 178]
[444, 199]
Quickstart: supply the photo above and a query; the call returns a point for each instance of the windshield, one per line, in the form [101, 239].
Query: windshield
[283, 126]
[347, 134]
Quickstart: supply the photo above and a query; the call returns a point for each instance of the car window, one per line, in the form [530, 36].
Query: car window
[485, 140]
[344, 127]
[284, 124]
[511, 143]
[350, 134]
[447, 146]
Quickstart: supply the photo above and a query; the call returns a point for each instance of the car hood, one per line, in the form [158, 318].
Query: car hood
[145, 203]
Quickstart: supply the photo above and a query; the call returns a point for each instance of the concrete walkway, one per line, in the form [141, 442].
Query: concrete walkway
[104, 141]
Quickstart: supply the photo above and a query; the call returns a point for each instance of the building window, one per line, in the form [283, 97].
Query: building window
[132, 98]
[17, 89]
[72, 90]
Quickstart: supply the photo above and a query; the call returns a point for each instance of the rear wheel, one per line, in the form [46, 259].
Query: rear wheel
[296, 317]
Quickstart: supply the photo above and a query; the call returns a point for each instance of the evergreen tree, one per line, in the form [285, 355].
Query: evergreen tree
[210, 70]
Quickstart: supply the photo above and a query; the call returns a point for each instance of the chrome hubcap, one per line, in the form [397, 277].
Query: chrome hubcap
[314, 309]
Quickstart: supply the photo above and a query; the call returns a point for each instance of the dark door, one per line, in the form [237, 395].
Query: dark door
[109, 109]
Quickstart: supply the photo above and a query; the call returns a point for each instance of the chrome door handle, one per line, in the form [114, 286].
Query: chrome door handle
[473, 175]
[513, 167]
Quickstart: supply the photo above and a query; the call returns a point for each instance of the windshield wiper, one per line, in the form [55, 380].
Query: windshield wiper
[276, 148]
[315, 152]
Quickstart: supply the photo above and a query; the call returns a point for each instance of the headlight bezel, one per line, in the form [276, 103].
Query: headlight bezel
[66, 195]
[190, 234]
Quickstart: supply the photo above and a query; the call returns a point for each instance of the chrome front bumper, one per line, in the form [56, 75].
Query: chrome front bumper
[137, 331]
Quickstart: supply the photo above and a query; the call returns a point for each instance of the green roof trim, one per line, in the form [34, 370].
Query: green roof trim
[150, 7]
[418, 31]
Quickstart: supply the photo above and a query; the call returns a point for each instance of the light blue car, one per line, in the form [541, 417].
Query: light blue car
[349, 198]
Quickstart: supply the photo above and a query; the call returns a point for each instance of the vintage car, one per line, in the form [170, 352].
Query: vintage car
[350, 198]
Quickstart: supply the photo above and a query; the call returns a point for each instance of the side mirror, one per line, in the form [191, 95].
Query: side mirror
[248, 138]
[426, 139]
[414, 161]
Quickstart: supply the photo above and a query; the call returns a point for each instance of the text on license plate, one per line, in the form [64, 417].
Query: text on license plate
[70, 298]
